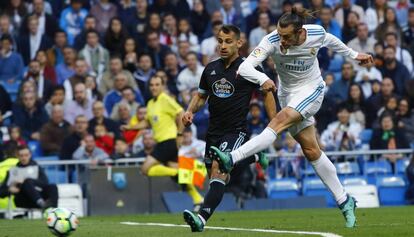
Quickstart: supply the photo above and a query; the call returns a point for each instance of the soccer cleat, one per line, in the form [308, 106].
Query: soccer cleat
[348, 210]
[193, 221]
[224, 159]
[263, 161]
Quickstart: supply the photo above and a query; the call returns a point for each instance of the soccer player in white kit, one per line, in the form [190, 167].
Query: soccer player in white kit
[293, 47]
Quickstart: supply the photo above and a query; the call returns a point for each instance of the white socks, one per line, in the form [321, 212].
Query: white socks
[254, 145]
[327, 173]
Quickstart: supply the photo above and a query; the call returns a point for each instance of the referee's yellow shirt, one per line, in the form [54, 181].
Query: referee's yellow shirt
[161, 114]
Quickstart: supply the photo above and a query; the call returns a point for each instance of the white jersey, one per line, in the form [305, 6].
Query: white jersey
[296, 66]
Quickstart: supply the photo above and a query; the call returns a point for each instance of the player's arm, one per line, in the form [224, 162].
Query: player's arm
[270, 104]
[144, 124]
[338, 46]
[196, 103]
[248, 68]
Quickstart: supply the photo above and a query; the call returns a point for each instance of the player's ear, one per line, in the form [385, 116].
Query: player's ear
[240, 43]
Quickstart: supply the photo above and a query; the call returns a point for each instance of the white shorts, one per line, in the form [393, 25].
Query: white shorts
[307, 100]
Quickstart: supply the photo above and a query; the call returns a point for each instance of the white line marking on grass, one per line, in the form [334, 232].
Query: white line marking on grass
[323, 234]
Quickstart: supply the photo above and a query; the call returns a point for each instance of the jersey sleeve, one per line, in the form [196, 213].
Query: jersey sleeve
[172, 107]
[203, 86]
[257, 56]
[338, 46]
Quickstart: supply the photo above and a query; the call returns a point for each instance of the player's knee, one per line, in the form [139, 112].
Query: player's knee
[311, 153]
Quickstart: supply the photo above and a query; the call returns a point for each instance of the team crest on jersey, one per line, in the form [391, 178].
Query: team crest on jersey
[257, 52]
[313, 51]
[223, 88]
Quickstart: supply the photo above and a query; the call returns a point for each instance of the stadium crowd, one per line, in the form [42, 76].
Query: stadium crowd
[74, 74]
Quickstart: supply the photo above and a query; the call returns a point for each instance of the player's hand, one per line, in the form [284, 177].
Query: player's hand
[187, 118]
[269, 85]
[365, 60]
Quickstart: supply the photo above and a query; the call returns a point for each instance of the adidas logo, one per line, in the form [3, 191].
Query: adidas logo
[213, 72]
[208, 210]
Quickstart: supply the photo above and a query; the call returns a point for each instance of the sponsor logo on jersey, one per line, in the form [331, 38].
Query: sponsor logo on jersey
[223, 88]
[213, 72]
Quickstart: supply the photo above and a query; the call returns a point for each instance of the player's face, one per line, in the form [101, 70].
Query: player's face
[228, 44]
[24, 156]
[156, 86]
[288, 36]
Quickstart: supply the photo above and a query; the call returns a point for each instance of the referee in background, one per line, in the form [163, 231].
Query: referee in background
[164, 118]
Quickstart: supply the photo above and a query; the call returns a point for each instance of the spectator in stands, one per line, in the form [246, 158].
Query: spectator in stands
[115, 67]
[80, 39]
[66, 69]
[6, 102]
[148, 145]
[329, 24]
[401, 9]
[288, 166]
[189, 78]
[131, 134]
[130, 55]
[115, 36]
[376, 101]
[343, 134]
[356, 104]
[191, 146]
[95, 54]
[402, 55]
[338, 92]
[350, 31]
[395, 70]
[34, 192]
[186, 34]
[54, 131]
[209, 45]
[30, 116]
[16, 10]
[362, 43]
[44, 85]
[231, 16]
[137, 20]
[256, 122]
[9, 160]
[122, 113]
[72, 19]
[55, 54]
[92, 88]
[121, 150]
[6, 28]
[408, 34]
[47, 22]
[11, 63]
[157, 50]
[365, 76]
[89, 151]
[376, 14]
[390, 107]
[143, 73]
[172, 68]
[252, 20]
[103, 139]
[405, 119]
[199, 18]
[128, 97]
[99, 119]
[347, 6]
[103, 11]
[257, 34]
[390, 24]
[57, 98]
[81, 71]
[73, 141]
[389, 136]
[46, 68]
[154, 22]
[80, 105]
[16, 135]
[33, 41]
[183, 48]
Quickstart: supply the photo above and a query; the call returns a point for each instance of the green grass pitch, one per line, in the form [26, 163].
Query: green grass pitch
[389, 221]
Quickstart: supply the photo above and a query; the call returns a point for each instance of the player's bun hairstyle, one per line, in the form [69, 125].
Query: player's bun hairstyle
[226, 29]
[297, 17]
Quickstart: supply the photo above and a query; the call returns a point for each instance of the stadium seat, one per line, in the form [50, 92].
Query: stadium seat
[35, 148]
[228, 203]
[308, 171]
[70, 197]
[391, 190]
[46, 158]
[374, 169]
[347, 168]
[259, 204]
[366, 136]
[366, 195]
[401, 165]
[56, 176]
[12, 89]
[353, 181]
[283, 188]
[315, 187]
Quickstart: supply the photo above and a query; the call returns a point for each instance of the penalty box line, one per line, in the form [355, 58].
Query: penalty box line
[323, 234]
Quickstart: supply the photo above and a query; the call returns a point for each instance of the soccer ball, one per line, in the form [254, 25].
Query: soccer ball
[61, 221]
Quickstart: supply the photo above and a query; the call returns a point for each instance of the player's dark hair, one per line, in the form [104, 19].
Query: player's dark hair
[297, 17]
[227, 29]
